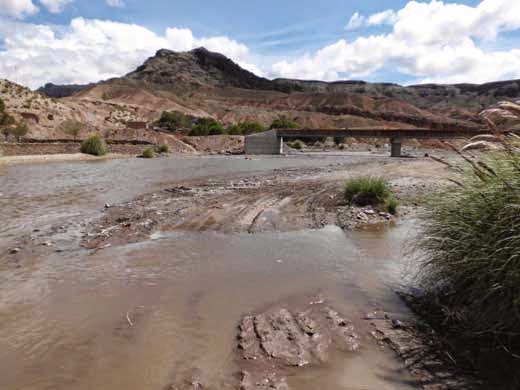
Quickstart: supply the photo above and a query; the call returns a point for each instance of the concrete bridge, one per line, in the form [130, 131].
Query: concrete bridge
[271, 142]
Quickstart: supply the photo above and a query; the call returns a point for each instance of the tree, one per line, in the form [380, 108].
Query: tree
[175, 120]
[216, 129]
[20, 130]
[283, 123]
[207, 126]
[245, 128]
[72, 127]
[251, 127]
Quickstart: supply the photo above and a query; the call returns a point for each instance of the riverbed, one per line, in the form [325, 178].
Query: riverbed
[148, 314]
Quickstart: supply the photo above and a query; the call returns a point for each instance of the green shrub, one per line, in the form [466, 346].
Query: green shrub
[251, 127]
[163, 149]
[20, 130]
[175, 120]
[206, 126]
[72, 127]
[391, 205]
[364, 191]
[94, 145]
[283, 123]
[6, 121]
[298, 145]
[234, 130]
[216, 129]
[339, 140]
[199, 131]
[245, 128]
[148, 153]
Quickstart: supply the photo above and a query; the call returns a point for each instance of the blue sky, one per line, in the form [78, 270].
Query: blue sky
[395, 40]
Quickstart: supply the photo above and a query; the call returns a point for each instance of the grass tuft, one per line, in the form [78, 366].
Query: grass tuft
[365, 191]
[163, 149]
[94, 145]
[148, 153]
[391, 205]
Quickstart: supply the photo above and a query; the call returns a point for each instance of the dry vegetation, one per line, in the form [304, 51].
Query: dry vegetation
[470, 255]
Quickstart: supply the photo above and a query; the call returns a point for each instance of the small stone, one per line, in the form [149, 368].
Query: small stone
[12, 251]
[396, 324]
[107, 205]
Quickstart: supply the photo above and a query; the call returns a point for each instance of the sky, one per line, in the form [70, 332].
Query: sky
[400, 41]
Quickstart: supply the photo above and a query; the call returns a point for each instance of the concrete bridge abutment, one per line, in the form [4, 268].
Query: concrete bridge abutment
[268, 142]
[396, 147]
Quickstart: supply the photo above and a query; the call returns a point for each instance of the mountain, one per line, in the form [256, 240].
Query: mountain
[203, 83]
[59, 91]
[197, 68]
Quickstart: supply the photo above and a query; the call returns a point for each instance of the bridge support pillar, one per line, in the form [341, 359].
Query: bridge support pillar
[396, 147]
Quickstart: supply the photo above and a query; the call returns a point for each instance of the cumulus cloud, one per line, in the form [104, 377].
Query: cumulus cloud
[91, 50]
[386, 17]
[55, 6]
[17, 8]
[427, 42]
[356, 21]
[433, 41]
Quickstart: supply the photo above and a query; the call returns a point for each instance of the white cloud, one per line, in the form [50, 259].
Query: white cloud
[17, 8]
[429, 41]
[115, 3]
[385, 17]
[356, 21]
[55, 6]
[433, 41]
[91, 50]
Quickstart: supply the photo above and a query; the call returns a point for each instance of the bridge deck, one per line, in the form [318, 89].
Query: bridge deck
[378, 133]
[271, 142]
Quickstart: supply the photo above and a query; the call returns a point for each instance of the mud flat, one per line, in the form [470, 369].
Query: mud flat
[217, 273]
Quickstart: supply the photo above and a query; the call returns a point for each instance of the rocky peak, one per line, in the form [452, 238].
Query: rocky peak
[197, 68]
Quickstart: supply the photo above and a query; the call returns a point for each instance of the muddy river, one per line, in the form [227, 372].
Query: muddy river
[140, 316]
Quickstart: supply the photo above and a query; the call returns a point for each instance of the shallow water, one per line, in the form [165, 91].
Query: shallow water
[139, 316]
[45, 195]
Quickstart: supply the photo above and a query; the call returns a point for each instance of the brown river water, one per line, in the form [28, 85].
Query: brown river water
[139, 316]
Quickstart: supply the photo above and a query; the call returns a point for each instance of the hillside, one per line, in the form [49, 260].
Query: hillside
[203, 83]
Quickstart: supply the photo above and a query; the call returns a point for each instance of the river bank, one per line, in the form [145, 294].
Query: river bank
[137, 274]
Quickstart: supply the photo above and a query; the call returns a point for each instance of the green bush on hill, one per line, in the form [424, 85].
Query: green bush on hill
[207, 126]
[245, 128]
[175, 120]
[234, 130]
[19, 130]
[72, 128]
[6, 120]
[283, 123]
[94, 145]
